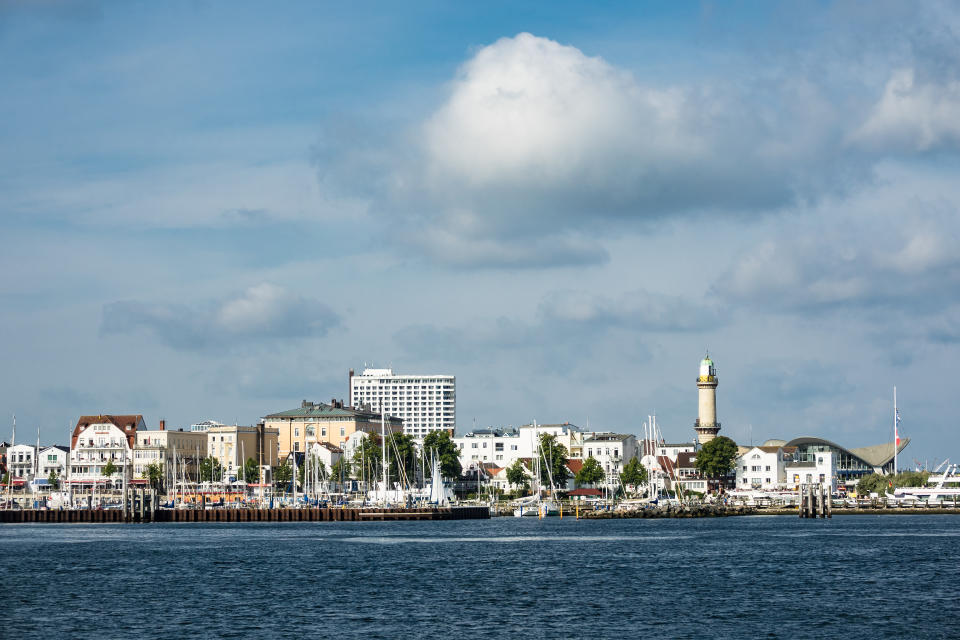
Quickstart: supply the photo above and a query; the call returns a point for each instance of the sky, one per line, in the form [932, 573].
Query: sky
[214, 210]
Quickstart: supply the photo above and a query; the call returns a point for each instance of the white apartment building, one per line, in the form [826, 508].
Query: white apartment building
[53, 458]
[99, 440]
[503, 446]
[762, 468]
[424, 403]
[822, 469]
[673, 450]
[21, 461]
[612, 451]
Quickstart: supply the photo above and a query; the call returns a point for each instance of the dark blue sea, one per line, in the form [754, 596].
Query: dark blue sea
[748, 577]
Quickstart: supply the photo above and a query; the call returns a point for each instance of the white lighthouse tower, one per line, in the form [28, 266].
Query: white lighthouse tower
[706, 425]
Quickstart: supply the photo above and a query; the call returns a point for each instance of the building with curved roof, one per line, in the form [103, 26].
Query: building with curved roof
[851, 463]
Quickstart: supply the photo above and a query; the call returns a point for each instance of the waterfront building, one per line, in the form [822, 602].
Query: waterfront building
[762, 468]
[319, 422]
[673, 451]
[161, 445]
[686, 475]
[233, 445]
[612, 451]
[706, 425]
[326, 453]
[503, 446]
[851, 464]
[424, 403]
[821, 467]
[101, 440]
[53, 458]
[21, 461]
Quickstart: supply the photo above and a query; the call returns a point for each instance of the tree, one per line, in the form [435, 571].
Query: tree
[366, 460]
[155, 475]
[109, 469]
[553, 460]
[210, 469]
[401, 447]
[282, 476]
[517, 474]
[54, 479]
[590, 473]
[251, 471]
[440, 443]
[717, 457]
[341, 470]
[881, 484]
[633, 473]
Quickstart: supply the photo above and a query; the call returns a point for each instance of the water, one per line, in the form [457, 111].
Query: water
[775, 577]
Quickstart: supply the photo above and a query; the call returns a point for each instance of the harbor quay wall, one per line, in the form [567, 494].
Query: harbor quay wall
[107, 516]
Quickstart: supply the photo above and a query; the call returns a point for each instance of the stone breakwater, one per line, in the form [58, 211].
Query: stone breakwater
[691, 511]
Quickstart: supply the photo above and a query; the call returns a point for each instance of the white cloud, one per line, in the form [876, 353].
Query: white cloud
[913, 115]
[537, 140]
[530, 112]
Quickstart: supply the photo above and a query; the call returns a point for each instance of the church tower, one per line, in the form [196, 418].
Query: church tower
[706, 425]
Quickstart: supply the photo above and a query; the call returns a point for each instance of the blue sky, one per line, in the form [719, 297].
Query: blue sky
[214, 210]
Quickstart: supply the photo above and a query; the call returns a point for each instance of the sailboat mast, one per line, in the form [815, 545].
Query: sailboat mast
[896, 437]
[383, 436]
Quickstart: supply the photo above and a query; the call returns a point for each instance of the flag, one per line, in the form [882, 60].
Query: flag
[896, 431]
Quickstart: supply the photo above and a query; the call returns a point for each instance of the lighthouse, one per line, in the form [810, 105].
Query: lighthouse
[706, 425]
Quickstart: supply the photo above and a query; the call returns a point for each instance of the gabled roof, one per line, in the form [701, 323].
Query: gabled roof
[666, 464]
[134, 421]
[685, 459]
[575, 465]
[61, 447]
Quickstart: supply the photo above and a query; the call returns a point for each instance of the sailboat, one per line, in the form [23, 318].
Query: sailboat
[535, 505]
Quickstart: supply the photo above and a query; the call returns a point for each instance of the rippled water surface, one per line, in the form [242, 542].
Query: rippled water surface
[776, 577]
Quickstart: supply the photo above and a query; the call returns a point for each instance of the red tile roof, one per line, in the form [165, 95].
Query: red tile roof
[585, 492]
[575, 465]
[134, 421]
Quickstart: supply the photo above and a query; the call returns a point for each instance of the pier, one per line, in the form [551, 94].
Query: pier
[322, 514]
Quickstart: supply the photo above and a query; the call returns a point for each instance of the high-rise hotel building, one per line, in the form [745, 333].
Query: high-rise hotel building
[425, 403]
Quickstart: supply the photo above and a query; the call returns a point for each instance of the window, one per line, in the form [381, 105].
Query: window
[323, 431]
[768, 468]
[296, 432]
[296, 446]
[343, 431]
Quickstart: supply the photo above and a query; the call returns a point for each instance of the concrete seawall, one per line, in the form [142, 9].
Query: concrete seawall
[242, 515]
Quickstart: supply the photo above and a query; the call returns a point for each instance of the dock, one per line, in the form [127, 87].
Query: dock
[323, 514]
